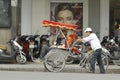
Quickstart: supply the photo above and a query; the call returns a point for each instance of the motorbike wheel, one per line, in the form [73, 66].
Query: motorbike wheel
[54, 61]
[21, 59]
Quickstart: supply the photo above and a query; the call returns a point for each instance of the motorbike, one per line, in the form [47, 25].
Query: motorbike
[18, 55]
[23, 41]
[113, 47]
[32, 46]
[44, 40]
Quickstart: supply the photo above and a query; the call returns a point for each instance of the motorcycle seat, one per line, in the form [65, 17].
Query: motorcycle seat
[3, 47]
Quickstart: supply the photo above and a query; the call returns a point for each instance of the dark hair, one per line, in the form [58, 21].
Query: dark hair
[118, 25]
[63, 6]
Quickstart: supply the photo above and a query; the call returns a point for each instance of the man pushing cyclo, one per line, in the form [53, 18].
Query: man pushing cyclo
[65, 41]
[96, 46]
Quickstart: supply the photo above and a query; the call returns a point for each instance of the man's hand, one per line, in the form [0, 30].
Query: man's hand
[80, 39]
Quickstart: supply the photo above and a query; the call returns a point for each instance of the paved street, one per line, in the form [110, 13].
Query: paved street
[35, 71]
[36, 67]
[15, 75]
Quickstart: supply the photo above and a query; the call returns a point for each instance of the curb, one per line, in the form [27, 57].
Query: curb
[35, 67]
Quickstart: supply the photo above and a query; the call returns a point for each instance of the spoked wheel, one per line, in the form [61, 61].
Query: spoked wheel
[85, 62]
[85, 66]
[55, 60]
[105, 61]
[21, 59]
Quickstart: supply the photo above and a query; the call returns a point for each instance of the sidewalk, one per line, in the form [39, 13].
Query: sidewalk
[39, 67]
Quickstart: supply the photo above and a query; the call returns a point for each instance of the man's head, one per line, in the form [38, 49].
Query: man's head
[119, 26]
[88, 31]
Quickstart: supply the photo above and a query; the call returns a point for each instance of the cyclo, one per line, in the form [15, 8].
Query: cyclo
[58, 56]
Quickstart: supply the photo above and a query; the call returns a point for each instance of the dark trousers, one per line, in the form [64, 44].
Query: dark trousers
[97, 57]
[44, 50]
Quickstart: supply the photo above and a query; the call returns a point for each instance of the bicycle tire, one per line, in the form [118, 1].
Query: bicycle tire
[55, 60]
[84, 63]
[105, 60]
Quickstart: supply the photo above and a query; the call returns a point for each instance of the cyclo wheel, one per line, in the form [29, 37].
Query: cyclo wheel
[55, 60]
[105, 60]
[85, 62]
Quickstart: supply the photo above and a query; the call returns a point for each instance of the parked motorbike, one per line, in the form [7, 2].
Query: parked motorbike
[113, 47]
[44, 40]
[23, 41]
[32, 46]
[18, 55]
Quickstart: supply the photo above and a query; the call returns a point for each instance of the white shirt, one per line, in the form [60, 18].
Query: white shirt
[93, 40]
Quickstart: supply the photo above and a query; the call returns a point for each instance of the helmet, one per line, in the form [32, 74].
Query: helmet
[44, 38]
[88, 29]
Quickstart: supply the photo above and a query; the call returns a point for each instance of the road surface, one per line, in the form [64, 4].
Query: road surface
[21, 75]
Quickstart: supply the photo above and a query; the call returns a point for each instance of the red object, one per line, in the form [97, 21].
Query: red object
[71, 39]
[75, 50]
[25, 45]
[47, 23]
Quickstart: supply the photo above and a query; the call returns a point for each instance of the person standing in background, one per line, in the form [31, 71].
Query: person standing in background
[117, 33]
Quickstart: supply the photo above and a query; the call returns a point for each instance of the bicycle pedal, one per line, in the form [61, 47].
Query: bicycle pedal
[84, 66]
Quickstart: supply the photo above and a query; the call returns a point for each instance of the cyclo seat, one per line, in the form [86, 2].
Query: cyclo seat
[3, 47]
[71, 39]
